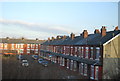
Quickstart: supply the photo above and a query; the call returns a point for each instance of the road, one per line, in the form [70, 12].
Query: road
[12, 69]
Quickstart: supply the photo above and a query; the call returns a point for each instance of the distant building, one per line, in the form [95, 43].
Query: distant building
[13, 46]
[94, 56]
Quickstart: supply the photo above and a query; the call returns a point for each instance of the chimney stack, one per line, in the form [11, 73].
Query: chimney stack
[48, 39]
[53, 38]
[103, 31]
[85, 34]
[96, 31]
[72, 36]
[116, 28]
[64, 37]
[58, 37]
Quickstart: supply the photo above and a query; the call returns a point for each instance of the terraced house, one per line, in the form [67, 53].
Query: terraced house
[91, 55]
[12, 46]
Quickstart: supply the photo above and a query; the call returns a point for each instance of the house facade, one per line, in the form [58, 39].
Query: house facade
[10, 46]
[84, 54]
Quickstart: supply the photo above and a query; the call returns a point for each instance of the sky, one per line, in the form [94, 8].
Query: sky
[46, 19]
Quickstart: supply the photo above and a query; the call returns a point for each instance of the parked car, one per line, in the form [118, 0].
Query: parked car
[40, 60]
[25, 63]
[45, 63]
[35, 57]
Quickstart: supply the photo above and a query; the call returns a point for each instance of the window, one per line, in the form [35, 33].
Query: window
[82, 52]
[67, 63]
[22, 45]
[91, 53]
[36, 45]
[87, 51]
[71, 65]
[36, 50]
[79, 51]
[97, 53]
[64, 50]
[1, 45]
[75, 65]
[21, 50]
[28, 50]
[5, 45]
[85, 69]
[96, 73]
[71, 51]
[12, 46]
[76, 49]
[81, 68]
[92, 72]
[28, 45]
[63, 62]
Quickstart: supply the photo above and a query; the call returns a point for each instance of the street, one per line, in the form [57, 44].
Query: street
[12, 69]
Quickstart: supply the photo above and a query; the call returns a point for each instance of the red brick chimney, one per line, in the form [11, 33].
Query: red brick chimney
[96, 31]
[103, 31]
[116, 28]
[85, 34]
[72, 36]
[64, 37]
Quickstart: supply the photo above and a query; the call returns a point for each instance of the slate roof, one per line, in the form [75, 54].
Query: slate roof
[25, 41]
[92, 39]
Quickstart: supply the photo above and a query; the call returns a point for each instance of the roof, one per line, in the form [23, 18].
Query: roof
[25, 41]
[92, 39]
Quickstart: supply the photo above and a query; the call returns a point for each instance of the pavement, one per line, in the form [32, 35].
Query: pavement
[12, 69]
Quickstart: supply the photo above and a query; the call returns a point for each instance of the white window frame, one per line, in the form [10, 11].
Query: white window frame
[92, 72]
[97, 53]
[71, 64]
[86, 52]
[91, 53]
[82, 52]
[82, 67]
[96, 72]
[75, 65]
[85, 69]
[28, 50]
[68, 63]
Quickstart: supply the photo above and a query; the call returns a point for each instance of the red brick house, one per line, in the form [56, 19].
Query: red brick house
[19, 46]
[83, 54]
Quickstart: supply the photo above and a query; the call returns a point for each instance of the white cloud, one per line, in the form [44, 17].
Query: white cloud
[33, 30]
